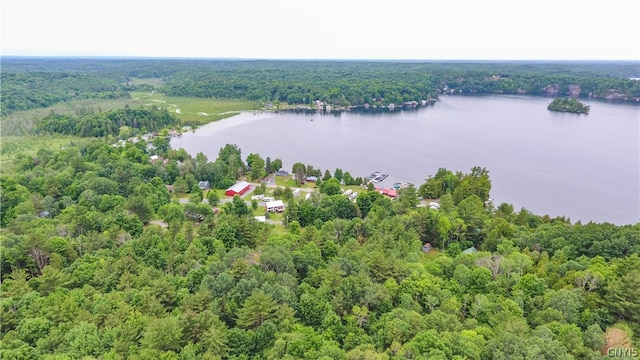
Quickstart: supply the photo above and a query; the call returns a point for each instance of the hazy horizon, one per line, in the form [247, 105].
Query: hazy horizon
[116, 57]
[455, 30]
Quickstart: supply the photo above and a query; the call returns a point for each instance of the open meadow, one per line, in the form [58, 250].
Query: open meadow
[195, 111]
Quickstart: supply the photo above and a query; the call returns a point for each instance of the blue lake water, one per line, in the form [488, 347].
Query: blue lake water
[585, 167]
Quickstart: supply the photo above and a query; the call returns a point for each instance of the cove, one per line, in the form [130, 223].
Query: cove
[584, 167]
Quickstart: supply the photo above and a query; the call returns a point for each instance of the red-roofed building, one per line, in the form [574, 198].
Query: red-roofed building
[239, 188]
[389, 192]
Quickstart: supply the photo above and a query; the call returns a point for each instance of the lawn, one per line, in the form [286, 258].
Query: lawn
[259, 211]
[284, 181]
[354, 188]
[275, 216]
[196, 111]
[220, 192]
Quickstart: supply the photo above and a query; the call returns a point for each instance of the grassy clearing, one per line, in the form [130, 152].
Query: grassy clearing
[196, 111]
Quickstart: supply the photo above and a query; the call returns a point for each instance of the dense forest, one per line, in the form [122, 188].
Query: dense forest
[33, 83]
[109, 123]
[113, 246]
[100, 260]
[30, 90]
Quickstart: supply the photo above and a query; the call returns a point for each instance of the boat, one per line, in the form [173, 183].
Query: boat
[373, 175]
[380, 178]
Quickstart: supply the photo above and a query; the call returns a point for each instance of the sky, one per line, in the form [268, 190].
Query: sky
[330, 29]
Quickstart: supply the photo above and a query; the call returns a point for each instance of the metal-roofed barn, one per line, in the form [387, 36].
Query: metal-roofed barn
[238, 188]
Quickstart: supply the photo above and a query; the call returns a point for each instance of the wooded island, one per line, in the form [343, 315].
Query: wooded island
[568, 105]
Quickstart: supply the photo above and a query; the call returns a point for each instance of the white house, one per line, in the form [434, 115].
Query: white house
[274, 206]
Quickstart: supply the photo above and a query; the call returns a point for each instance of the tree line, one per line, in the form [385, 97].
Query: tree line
[36, 83]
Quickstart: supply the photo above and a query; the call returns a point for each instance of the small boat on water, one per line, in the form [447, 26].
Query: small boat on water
[373, 175]
[380, 178]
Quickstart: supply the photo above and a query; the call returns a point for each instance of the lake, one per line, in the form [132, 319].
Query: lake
[585, 167]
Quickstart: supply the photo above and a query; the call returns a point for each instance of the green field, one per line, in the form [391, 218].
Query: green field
[195, 110]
